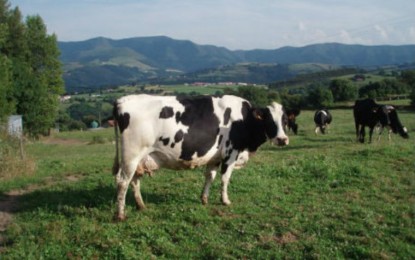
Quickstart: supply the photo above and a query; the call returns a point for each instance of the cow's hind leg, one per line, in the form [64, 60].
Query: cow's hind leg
[135, 183]
[123, 179]
[370, 134]
[210, 175]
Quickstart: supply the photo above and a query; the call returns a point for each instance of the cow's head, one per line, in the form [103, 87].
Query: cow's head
[274, 127]
[389, 117]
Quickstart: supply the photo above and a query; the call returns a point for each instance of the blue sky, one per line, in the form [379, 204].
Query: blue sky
[234, 24]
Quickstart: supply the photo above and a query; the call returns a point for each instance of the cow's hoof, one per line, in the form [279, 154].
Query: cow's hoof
[226, 202]
[204, 200]
[119, 218]
[140, 207]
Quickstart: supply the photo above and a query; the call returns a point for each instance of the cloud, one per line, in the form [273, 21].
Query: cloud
[381, 32]
[235, 24]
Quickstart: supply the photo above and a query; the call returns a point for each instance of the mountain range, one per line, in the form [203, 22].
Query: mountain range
[103, 62]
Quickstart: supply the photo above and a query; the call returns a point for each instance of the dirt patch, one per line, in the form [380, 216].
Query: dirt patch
[10, 203]
[282, 239]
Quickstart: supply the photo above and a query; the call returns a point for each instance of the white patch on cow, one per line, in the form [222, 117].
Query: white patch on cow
[323, 112]
[277, 113]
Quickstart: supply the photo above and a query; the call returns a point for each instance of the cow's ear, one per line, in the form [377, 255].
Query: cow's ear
[258, 115]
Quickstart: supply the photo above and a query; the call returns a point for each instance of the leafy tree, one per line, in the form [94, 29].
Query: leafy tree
[292, 101]
[259, 97]
[408, 77]
[384, 88]
[40, 83]
[342, 90]
[320, 96]
[6, 101]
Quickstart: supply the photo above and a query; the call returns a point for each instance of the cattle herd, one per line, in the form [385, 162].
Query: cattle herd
[217, 132]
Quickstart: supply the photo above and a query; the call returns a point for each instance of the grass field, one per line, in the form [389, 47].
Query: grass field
[321, 197]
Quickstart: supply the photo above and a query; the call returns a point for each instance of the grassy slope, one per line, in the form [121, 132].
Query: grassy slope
[320, 197]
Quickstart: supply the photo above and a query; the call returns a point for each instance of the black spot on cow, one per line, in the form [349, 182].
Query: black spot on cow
[123, 120]
[165, 141]
[220, 140]
[203, 126]
[178, 136]
[166, 112]
[178, 115]
[227, 116]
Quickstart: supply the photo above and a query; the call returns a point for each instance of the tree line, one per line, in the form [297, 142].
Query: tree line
[30, 70]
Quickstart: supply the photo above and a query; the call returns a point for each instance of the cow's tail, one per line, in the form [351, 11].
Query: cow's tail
[116, 165]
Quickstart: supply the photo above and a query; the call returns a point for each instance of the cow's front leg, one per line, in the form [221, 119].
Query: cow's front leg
[135, 183]
[210, 175]
[362, 134]
[226, 170]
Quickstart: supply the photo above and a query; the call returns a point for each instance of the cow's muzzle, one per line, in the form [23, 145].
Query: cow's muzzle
[281, 141]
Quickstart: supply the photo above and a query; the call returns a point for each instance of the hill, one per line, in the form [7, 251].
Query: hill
[102, 62]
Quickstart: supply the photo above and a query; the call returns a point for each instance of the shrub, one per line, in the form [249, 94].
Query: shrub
[13, 163]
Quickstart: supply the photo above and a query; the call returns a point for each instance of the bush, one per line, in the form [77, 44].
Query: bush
[13, 163]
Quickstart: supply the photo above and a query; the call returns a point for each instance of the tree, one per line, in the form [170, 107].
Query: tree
[320, 96]
[342, 90]
[408, 77]
[40, 81]
[6, 98]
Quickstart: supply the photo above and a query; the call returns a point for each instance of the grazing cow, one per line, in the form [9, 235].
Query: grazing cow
[182, 133]
[322, 118]
[289, 120]
[368, 113]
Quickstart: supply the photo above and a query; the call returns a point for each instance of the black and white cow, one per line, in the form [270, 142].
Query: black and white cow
[368, 113]
[181, 133]
[322, 119]
[289, 120]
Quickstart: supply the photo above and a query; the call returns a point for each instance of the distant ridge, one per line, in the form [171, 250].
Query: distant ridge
[101, 61]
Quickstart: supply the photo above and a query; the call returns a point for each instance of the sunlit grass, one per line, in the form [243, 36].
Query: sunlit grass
[323, 196]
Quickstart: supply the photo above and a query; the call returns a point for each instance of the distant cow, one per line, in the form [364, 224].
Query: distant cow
[368, 113]
[289, 122]
[182, 133]
[322, 119]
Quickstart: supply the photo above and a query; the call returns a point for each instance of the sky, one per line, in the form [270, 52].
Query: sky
[233, 24]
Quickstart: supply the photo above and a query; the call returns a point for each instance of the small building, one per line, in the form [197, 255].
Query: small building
[15, 126]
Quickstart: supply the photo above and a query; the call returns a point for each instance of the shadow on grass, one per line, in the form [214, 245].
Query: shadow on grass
[100, 197]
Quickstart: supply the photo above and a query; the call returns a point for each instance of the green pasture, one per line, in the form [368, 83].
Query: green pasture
[321, 197]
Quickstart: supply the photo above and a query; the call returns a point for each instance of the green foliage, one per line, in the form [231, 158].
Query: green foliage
[31, 75]
[408, 77]
[343, 90]
[320, 96]
[384, 88]
[258, 96]
[14, 162]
